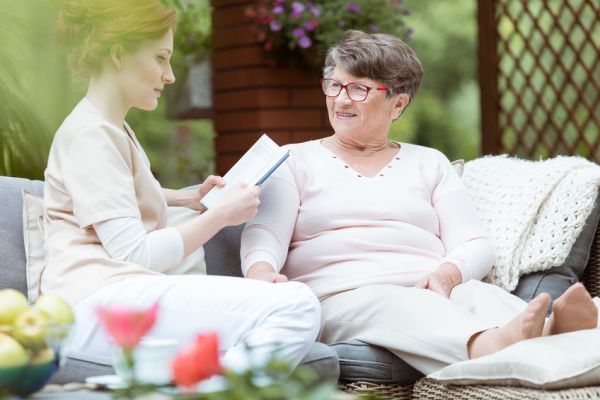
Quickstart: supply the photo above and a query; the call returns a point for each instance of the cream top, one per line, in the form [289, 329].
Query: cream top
[95, 172]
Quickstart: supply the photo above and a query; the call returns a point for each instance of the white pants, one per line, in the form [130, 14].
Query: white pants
[423, 328]
[247, 314]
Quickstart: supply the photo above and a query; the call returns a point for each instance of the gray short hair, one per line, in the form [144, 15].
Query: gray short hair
[378, 56]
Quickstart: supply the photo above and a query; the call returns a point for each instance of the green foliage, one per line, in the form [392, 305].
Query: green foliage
[37, 92]
[20, 126]
[273, 382]
[193, 32]
[445, 112]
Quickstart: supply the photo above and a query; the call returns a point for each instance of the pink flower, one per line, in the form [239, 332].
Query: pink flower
[125, 325]
[352, 7]
[197, 362]
[305, 42]
[311, 25]
[298, 32]
[275, 26]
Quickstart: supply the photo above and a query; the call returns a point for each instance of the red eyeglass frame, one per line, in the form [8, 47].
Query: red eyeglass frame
[369, 88]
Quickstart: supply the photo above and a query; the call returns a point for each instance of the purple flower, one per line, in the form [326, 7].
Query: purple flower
[277, 10]
[310, 25]
[305, 42]
[297, 7]
[352, 7]
[298, 32]
[315, 11]
[374, 28]
[275, 26]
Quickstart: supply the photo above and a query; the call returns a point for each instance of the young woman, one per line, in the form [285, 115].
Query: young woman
[105, 213]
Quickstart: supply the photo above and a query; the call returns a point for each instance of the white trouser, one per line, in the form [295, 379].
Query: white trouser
[423, 328]
[247, 314]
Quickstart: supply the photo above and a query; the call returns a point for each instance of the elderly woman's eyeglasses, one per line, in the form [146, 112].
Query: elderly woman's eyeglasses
[355, 91]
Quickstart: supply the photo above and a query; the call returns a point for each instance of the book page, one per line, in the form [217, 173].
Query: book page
[249, 169]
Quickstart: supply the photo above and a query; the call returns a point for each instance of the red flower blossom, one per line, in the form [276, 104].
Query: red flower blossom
[125, 325]
[197, 362]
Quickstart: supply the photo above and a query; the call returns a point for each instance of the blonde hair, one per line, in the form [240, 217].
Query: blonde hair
[88, 29]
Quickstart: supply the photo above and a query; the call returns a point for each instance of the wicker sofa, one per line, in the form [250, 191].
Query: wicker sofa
[427, 389]
[361, 368]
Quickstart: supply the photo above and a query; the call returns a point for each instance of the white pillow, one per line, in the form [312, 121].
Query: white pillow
[549, 362]
[33, 238]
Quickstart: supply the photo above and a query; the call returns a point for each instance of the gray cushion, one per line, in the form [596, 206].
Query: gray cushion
[222, 252]
[12, 251]
[556, 280]
[320, 357]
[364, 362]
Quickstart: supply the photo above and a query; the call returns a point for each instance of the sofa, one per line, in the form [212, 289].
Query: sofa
[360, 368]
[352, 360]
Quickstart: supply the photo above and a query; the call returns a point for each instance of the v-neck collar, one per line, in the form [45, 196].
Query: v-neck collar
[346, 166]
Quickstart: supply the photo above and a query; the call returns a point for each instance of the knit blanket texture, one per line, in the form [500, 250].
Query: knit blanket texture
[533, 210]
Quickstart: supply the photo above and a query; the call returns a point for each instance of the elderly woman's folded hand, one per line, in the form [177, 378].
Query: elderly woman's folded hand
[264, 272]
[442, 280]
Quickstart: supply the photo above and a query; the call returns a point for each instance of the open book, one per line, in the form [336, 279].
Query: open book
[255, 166]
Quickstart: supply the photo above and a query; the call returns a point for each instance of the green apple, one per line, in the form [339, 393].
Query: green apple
[30, 329]
[12, 354]
[44, 356]
[57, 308]
[12, 303]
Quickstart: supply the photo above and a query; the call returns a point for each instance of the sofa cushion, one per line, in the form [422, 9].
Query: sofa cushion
[222, 252]
[12, 251]
[568, 360]
[33, 240]
[556, 280]
[321, 358]
[364, 362]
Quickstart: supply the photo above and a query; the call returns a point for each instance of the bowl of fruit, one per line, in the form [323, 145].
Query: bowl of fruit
[31, 337]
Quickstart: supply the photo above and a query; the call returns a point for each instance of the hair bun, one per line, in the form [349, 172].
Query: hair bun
[74, 24]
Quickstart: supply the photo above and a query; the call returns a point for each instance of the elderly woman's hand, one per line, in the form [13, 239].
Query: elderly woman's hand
[264, 272]
[442, 280]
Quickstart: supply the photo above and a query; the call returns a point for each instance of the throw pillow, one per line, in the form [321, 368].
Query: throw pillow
[33, 238]
[557, 279]
[549, 362]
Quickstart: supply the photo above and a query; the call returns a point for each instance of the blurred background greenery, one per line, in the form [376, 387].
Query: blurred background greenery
[37, 92]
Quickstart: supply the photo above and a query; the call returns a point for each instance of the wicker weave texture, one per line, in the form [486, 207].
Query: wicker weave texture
[426, 389]
[400, 392]
[591, 275]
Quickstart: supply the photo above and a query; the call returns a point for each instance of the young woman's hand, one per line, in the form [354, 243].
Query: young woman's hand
[442, 280]
[191, 198]
[239, 205]
[208, 184]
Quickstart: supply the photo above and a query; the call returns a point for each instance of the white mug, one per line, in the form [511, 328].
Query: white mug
[152, 357]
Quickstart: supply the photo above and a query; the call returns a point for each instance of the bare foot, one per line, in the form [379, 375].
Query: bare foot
[572, 311]
[527, 325]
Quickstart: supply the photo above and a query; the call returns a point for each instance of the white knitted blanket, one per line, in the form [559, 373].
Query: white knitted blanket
[533, 210]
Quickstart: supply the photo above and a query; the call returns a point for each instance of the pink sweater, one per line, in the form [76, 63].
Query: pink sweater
[322, 223]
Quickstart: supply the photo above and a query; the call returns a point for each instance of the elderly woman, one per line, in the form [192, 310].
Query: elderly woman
[385, 233]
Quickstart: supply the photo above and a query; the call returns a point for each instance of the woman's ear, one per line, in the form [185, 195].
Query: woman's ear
[401, 103]
[116, 55]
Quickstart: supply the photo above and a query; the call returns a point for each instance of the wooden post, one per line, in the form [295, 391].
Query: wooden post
[251, 97]
[488, 77]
